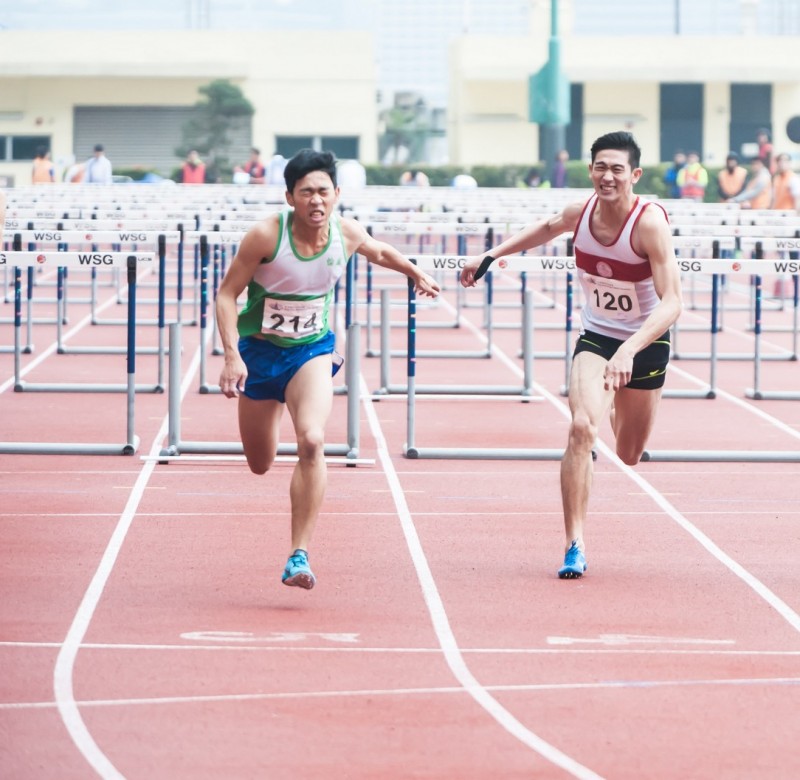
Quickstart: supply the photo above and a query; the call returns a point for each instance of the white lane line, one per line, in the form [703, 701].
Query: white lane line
[509, 688]
[270, 648]
[783, 609]
[441, 624]
[65, 662]
[742, 404]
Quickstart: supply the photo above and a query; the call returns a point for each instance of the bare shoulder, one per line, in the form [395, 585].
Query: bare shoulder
[572, 213]
[653, 235]
[566, 219]
[655, 216]
[354, 233]
[262, 238]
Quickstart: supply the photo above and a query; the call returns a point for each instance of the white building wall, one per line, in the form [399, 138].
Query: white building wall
[299, 83]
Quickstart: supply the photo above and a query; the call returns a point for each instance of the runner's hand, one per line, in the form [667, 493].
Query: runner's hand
[426, 285]
[232, 378]
[618, 370]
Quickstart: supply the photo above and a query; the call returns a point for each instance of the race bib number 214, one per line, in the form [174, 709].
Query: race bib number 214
[293, 319]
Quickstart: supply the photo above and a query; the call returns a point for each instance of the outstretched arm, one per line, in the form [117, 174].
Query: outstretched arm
[530, 236]
[386, 256]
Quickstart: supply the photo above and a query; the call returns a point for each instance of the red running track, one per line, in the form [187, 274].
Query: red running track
[145, 632]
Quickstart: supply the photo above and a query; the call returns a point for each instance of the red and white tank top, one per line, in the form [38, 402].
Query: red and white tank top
[617, 282]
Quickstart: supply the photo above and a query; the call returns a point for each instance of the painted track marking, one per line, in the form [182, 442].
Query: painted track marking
[441, 624]
[783, 609]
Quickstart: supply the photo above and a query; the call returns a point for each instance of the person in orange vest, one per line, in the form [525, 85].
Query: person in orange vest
[194, 169]
[731, 179]
[255, 168]
[785, 185]
[758, 190]
[43, 171]
[692, 178]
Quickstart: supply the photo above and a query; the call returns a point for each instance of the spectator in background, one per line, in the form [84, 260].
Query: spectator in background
[351, 175]
[254, 168]
[43, 171]
[533, 179]
[757, 193]
[692, 179]
[97, 169]
[559, 177]
[74, 173]
[671, 174]
[731, 179]
[414, 178]
[765, 148]
[785, 185]
[463, 181]
[194, 169]
[276, 167]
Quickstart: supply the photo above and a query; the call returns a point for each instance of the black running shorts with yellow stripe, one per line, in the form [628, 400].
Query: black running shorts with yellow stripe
[649, 365]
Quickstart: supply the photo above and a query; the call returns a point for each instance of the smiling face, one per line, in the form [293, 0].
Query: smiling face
[313, 199]
[612, 175]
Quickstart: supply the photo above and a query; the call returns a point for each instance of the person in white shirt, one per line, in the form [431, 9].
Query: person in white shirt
[97, 169]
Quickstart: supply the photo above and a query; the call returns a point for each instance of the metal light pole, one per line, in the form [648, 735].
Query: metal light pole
[549, 98]
[553, 131]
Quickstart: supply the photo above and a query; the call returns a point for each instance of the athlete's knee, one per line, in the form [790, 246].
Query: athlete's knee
[582, 433]
[630, 453]
[259, 465]
[310, 443]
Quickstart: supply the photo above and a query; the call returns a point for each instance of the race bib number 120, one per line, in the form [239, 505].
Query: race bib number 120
[293, 319]
[613, 298]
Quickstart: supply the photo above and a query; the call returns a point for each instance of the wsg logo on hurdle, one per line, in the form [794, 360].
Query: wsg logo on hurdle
[95, 259]
[545, 263]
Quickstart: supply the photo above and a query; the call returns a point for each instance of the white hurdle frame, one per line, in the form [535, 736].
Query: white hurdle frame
[129, 261]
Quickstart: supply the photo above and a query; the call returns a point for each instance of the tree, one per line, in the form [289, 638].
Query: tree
[224, 107]
[406, 128]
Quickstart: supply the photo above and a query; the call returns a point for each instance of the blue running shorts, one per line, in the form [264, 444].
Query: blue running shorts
[270, 368]
[649, 365]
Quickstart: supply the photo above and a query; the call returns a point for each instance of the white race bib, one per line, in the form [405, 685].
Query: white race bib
[612, 298]
[293, 319]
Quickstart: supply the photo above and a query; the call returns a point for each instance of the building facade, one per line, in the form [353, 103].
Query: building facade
[132, 93]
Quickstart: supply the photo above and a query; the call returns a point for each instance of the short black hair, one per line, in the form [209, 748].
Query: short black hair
[98, 147]
[306, 161]
[619, 140]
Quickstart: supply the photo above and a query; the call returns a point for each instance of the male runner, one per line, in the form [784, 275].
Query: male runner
[278, 349]
[627, 270]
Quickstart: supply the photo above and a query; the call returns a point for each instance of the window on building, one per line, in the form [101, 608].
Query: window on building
[290, 145]
[681, 119]
[21, 148]
[345, 147]
[751, 109]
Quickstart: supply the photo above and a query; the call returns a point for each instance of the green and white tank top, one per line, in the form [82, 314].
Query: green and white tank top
[289, 297]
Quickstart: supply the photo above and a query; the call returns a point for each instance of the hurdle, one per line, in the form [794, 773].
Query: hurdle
[414, 452]
[176, 446]
[18, 260]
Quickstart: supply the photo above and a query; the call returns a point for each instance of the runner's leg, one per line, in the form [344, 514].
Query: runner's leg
[633, 420]
[309, 398]
[259, 424]
[588, 402]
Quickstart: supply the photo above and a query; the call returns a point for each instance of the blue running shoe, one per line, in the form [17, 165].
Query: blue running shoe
[297, 571]
[574, 563]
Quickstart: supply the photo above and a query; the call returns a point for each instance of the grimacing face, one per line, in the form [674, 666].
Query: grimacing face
[313, 198]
